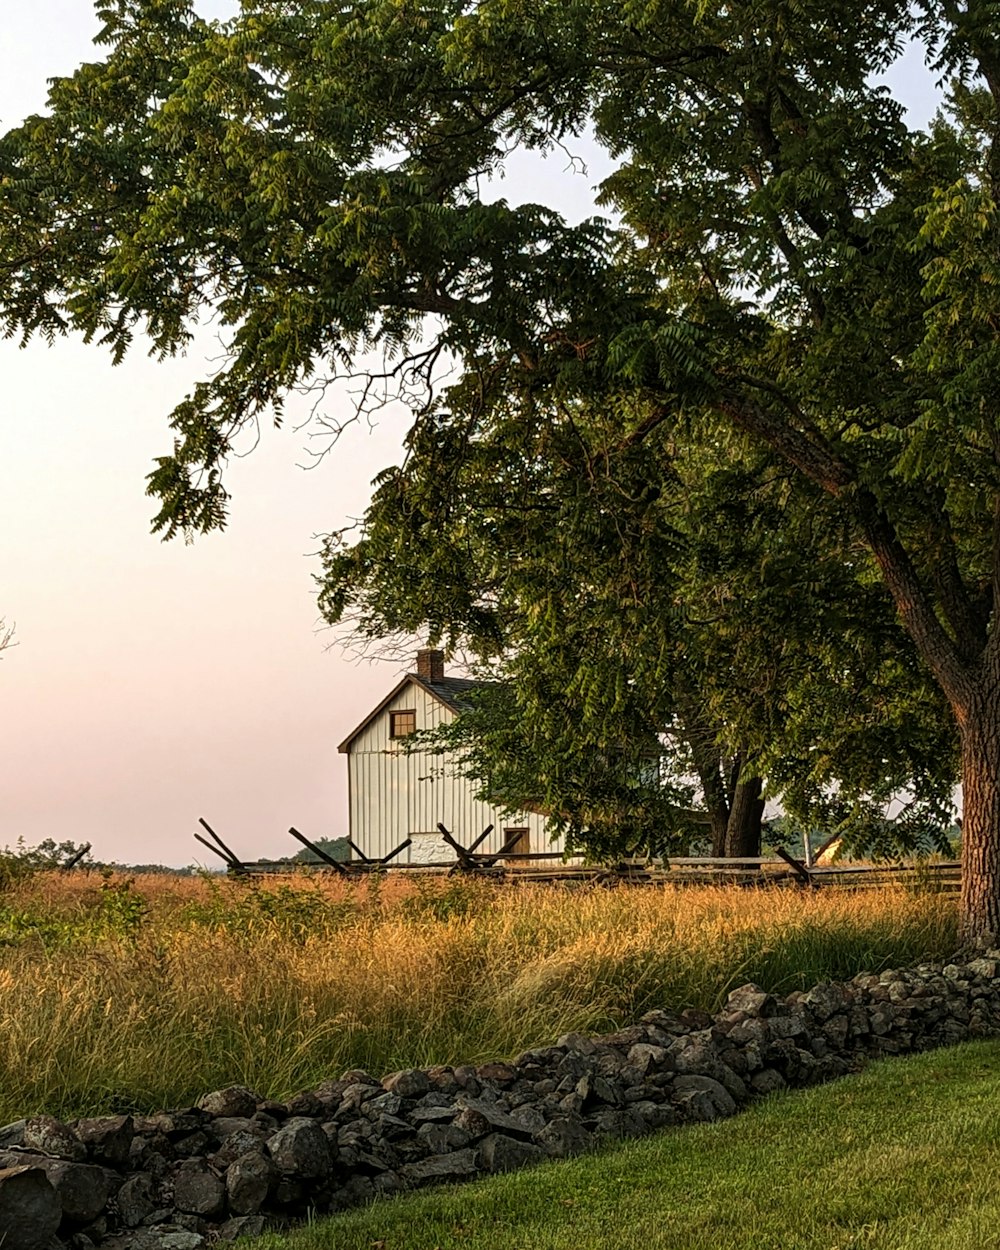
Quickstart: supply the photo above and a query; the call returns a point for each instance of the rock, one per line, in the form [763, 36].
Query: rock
[655, 1115]
[135, 1200]
[836, 1030]
[50, 1136]
[440, 1138]
[30, 1211]
[410, 1083]
[384, 1104]
[609, 1122]
[453, 1166]
[234, 1100]
[108, 1138]
[502, 1074]
[576, 1042]
[12, 1134]
[563, 1136]
[236, 1144]
[198, 1191]
[242, 1226]
[753, 1000]
[695, 1104]
[82, 1188]
[306, 1104]
[479, 1117]
[768, 1081]
[432, 1115]
[249, 1181]
[442, 1078]
[724, 1101]
[498, 1153]
[646, 1058]
[825, 1000]
[301, 1149]
[159, 1237]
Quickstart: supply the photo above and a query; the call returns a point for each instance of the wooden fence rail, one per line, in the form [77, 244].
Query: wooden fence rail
[509, 864]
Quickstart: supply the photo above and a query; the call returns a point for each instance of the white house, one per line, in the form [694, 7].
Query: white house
[395, 794]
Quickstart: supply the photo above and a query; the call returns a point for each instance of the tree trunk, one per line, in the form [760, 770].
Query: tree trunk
[980, 907]
[743, 830]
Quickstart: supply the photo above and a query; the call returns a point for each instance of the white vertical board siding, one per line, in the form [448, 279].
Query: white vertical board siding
[395, 794]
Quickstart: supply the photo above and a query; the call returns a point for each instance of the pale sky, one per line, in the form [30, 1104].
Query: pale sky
[156, 682]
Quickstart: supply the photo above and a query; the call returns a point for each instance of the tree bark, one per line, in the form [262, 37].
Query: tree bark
[980, 735]
[744, 827]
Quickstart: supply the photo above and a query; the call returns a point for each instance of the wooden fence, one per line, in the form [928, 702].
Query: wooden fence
[506, 864]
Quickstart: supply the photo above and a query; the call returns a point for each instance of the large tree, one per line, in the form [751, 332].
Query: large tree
[788, 260]
[663, 630]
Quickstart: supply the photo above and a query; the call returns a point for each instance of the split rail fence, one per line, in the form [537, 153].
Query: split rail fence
[508, 864]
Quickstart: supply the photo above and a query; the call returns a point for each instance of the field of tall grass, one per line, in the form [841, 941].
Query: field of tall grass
[121, 995]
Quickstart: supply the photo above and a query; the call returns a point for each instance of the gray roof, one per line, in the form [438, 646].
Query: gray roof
[450, 690]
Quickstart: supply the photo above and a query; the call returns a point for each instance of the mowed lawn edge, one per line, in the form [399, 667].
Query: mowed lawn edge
[903, 1156]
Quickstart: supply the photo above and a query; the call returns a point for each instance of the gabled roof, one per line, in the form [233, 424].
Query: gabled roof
[449, 691]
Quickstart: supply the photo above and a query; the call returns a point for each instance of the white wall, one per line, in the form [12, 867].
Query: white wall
[395, 794]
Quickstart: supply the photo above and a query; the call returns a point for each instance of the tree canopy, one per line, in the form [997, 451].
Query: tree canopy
[665, 629]
[786, 260]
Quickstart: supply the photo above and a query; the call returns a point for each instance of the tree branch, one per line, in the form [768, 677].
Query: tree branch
[810, 454]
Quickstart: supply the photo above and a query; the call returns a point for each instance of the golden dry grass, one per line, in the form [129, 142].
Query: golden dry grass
[147, 995]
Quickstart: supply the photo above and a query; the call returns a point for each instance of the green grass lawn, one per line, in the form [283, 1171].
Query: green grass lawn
[905, 1156]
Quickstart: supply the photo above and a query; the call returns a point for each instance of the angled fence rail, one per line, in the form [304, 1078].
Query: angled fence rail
[508, 864]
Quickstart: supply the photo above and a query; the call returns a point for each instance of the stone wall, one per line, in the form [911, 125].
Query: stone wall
[237, 1164]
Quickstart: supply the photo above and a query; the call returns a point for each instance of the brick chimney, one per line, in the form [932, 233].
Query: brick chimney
[430, 664]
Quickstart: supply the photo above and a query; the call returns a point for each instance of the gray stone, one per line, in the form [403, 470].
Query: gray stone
[441, 1138]
[301, 1149]
[498, 1153]
[159, 1237]
[479, 1117]
[410, 1083]
[453, 1166]
[135, 1200]
[655, 1115]
[82, 1188]
[224, 1125]
[236, 1144]
[234, 1100]
[108, 1138]
[767, 1081]
[198, 1191]
[249, 1182]
[753, 1000]
[576, 1042]
[242, 1226]
[12, 1134]
[696, 1104]
[720, 1096]
[49, 1136]
[306, 1103]
[564, 1136]
[825, 1000]
[432, 1115]
[30, 1211]
[500, 1074]
[384, 1104]
[646, 1058]
[530, 1116]
[787, 1027]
